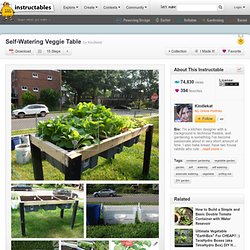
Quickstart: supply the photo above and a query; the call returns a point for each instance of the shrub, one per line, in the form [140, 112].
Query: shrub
[33, 245]
[29, 98]
[50, 98]
[140, 230]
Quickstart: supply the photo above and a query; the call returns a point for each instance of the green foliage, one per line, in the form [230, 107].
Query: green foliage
[50, 98]
[140, 230]
[130, 84]
[125, 166]
[85, 125]
[96, 245]
[101, 245]
[183, 236]
[85, 245]
[28, 98]
[185, 215]
[33, 245]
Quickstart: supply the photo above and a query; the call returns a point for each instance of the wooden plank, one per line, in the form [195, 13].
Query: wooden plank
[106, 144]
[50, 202]
[64, 156]
[49, 148]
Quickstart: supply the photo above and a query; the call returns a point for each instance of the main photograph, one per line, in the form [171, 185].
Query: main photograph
[85, 124]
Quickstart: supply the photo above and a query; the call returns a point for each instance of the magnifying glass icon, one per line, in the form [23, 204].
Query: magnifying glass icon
[220, 7]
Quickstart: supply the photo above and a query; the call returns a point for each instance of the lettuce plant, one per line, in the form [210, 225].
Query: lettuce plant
[85, 125]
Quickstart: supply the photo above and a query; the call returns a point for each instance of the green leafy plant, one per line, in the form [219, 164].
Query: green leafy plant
[184, 237]
[95, 245]
[28, 98]
[85, 245]
[50, 98]
[85, 125]
[132, 244]
[185, 215]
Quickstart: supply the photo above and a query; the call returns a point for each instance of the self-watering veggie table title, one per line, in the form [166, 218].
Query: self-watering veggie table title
[72, 143]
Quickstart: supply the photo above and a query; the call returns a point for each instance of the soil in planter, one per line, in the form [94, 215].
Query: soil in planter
[63, 197]
[47, 198]
[29, 198]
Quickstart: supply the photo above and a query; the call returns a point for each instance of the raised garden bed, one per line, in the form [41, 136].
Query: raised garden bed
[73, 163]
[48, 202]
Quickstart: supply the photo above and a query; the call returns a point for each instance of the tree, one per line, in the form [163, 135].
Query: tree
[138, 84]
[85, 82]
[131, 84]
[90, 83]
[28, 98]
[50, 98]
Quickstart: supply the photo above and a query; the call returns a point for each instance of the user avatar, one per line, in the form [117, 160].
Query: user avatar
[183, 112]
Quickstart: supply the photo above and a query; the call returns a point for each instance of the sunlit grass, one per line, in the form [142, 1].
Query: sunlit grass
[47, 224]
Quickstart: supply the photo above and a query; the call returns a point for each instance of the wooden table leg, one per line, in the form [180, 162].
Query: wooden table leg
[73, 171]
[74, 214]
[147, 150]
[36, 157]
[62, 213]
[22, 219]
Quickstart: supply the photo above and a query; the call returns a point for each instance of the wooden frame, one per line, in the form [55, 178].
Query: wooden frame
[40, 202]
[69, 162]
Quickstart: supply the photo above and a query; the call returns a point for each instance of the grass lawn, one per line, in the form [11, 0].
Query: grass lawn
[47, 224]
[138, 230]
[126, 165]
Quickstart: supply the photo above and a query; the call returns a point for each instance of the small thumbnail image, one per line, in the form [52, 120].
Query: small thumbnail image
[134, 244]
[183, 112]
[183, 216]
[122, 211]
[34, 245]
[84, 245]
[47, 210]
[183, 237]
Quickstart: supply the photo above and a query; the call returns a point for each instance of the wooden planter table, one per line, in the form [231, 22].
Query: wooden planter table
[47, 202]
[71, 163]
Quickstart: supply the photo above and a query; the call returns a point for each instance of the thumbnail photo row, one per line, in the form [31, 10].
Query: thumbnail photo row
[70, 211]
[86, 245]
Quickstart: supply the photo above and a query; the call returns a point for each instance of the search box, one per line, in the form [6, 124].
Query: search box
[199, 7]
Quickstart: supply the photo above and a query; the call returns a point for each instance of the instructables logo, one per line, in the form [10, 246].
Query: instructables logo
[7, 12]
[241, 40]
